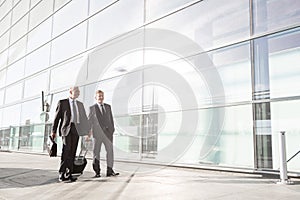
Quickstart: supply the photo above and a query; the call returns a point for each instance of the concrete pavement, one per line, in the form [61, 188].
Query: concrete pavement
[31, 176]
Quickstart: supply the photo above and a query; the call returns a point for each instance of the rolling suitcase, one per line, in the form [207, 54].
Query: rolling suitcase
[80, 162]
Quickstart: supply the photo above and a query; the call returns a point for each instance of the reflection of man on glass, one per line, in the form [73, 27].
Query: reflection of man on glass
[101, 120]
[71, 115]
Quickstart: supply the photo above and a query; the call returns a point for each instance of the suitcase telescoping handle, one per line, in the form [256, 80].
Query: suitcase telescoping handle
[85, 145]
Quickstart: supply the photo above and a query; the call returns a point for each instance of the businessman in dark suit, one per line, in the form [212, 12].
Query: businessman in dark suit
[102, 129]
[71, 117]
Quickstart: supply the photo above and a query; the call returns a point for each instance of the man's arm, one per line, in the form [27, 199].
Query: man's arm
[112, 119]
[57, 118]
[91, 121]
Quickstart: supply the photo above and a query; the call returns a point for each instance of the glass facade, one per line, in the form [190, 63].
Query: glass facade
[190, 82]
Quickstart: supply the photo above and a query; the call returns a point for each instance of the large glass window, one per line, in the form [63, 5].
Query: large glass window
[234, 67]
[158, 8]
[100, 26]
[12, 115]
[5, 8]
[285, 117]
[1, 99]
[4, 41]
[19, 29]
[14, 93]
[2, 78]
[65, 47]
[20, 10]
[269, 15]
[17, 50]
[15, 72]
[40, 13]
[34, 2]
[227, 141]
[228, 23]
[96, 5]
[37, 60]
[31, 111]
[59, 3]
[31, 87]
[3, 59]
[284, 53]
[5, 23]
[39, 35]
[1, 139]
[65, 75]
[65, 19]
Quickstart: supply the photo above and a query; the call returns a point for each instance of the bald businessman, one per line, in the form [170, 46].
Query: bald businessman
[71, 117]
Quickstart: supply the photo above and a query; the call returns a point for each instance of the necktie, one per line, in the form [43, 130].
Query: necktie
[102, 109]
[74, 112]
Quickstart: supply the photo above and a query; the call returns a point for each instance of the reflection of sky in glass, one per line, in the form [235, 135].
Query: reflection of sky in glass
[211, 29]
[15, 72]
[285, 73]
[14, 93]
[65, 75]
[1, 96]
[12, 115]
[133, 60]
[31, 111]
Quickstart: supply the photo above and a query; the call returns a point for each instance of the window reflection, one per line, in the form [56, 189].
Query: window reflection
[1, 98]
[14, 93]
[96, 5]
[284, 53]
[65, 19]
[4, 41]
[100, 26]
[37, 60]
[17, 50]
[227, 24]
[39, 35]
[5, 8]
[72, 68]
[154, 8]
[285, 117]
[2, 78]
[15, 72]
[270, 15]
[31, 111]
[31, 87]
[12, 115]
[64, 46]
[40, 13]
[20, 9]
[3, 61]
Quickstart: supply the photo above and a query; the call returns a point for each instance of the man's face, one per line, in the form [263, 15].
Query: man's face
[74, 92]
[100, 97]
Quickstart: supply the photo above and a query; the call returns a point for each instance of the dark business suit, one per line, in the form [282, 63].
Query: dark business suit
[102, 126]
[69, 131]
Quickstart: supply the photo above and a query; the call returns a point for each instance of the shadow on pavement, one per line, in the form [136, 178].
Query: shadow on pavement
[24, 177]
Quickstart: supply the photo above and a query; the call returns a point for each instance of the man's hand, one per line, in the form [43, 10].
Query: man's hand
[53, 135]
[88, 137]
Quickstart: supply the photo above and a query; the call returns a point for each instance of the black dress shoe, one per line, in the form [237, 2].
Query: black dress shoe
[111, 173]
[72, 179]
[97, 176]
[62, 177]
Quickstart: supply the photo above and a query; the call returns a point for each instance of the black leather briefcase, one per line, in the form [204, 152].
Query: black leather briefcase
[51, 147]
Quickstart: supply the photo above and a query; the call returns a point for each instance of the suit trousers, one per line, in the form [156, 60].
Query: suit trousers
[108, 144]
[70, 143]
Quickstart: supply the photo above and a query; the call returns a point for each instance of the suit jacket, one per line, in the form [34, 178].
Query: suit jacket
[63, 118]
[101, 123]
